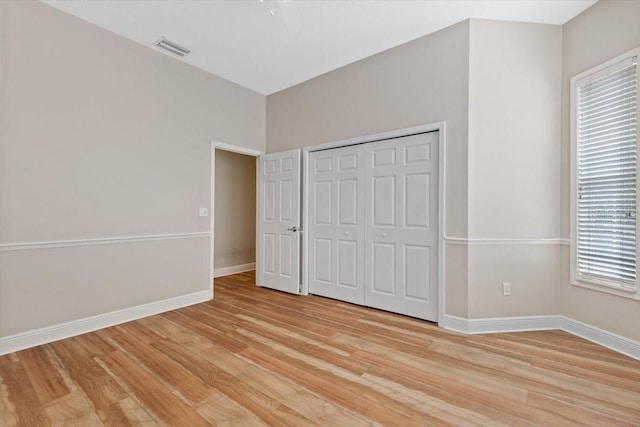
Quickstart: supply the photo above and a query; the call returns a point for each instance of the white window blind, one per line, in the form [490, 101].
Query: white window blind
[607, 140]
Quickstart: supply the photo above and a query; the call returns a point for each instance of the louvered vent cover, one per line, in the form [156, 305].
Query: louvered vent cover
[172, 47]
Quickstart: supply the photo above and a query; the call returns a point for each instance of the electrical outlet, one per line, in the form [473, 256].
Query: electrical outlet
[506, 289]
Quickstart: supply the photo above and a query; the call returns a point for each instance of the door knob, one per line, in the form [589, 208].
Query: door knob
[384, 234]
[346, 233]
[294, 229]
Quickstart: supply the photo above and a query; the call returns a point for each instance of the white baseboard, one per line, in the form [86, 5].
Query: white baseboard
[607, 339]
[49, 334]
[226, 271]
[599, 336]
[501, 324]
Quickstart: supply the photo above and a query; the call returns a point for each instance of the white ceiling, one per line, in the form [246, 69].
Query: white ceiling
[271, 45]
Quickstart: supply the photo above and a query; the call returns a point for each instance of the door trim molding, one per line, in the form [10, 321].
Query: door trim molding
[439, 127]
[215, 145]
[236, 149]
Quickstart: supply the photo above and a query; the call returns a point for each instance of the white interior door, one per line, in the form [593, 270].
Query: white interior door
[402, 225]
[279, 221]
[336, 224]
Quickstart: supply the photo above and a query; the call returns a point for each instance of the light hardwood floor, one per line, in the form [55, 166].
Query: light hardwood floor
[259, 357]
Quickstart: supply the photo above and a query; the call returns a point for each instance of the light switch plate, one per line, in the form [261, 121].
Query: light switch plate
[204, 212]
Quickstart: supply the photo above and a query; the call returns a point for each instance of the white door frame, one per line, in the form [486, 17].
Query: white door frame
[212, 224]
[438, 126]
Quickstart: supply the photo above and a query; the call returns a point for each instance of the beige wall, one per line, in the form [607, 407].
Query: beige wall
[102, 137]
[423, 81]
[514, 129]
[604, 31]
[533, 270]
[235, 209]
[514, 191]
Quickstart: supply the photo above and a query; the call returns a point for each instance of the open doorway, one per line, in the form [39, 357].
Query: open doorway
[233, 209]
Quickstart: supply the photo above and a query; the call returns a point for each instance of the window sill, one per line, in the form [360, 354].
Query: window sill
[634, 295]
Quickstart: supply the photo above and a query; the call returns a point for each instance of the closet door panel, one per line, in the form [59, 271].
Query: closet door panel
[401, 236]
[336, 224]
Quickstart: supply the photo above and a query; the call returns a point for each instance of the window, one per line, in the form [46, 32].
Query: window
[604, 182]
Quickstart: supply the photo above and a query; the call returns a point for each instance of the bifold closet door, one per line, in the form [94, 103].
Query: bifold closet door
[336, 224]
[373, 224]
[401, 228]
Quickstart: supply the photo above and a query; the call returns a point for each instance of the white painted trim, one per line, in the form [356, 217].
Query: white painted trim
[301, 231]
[437, 126]
[49, 334]
[599, 336]
[535, 241]
[619, 292]
[455, 324]
[9, 247]
[501, 324]
[212, 215]
[305, 221]
[241, 268]
[258, 201]
[442, 223]
[440, 127]
[236, 149]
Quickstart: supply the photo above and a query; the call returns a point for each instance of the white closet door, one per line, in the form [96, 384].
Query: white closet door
[279, 221]
[402, 225]
[336, 224]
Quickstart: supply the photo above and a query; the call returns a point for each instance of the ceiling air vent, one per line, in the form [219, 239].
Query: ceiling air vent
[172, 47]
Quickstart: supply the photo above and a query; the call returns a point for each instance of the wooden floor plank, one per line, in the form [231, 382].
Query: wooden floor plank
[101, 389]
[189, 387]
[255, 357]
[265, 407]
[47, 381]
[72, 409]
[126, 412]
[150, 392]
[220, 410]
[20, 404]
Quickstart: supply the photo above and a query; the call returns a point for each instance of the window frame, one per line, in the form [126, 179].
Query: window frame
[594, 283]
